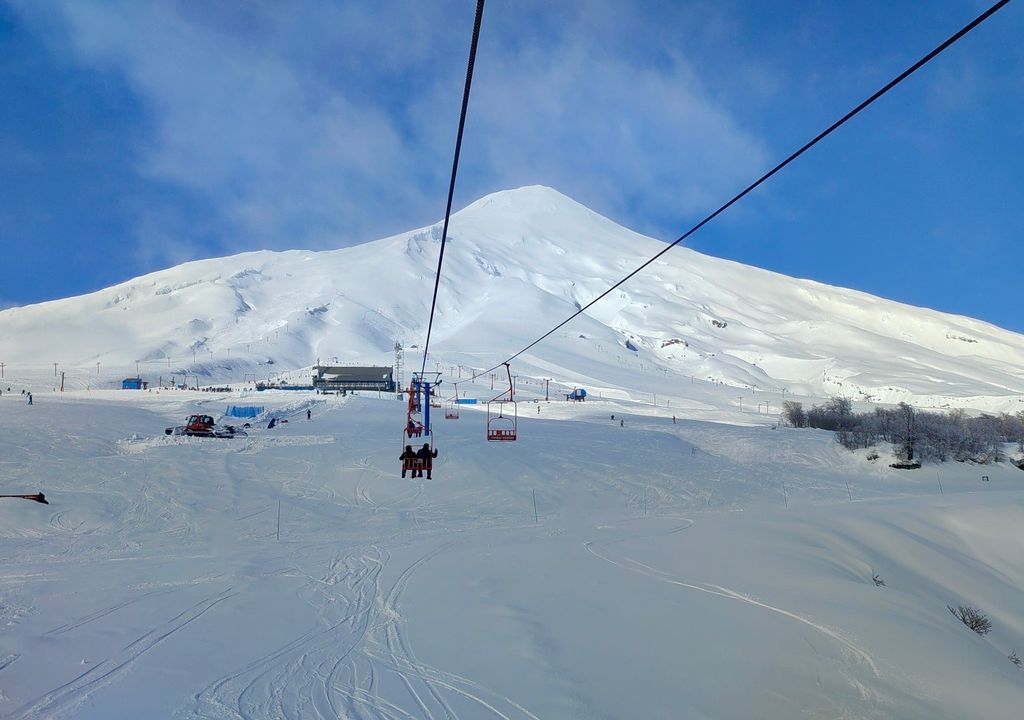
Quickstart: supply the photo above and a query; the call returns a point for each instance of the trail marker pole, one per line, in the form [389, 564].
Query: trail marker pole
[785, 495]
[940, 483]
[279, 521]
[536, 517]
[645, 502]
[848, 491]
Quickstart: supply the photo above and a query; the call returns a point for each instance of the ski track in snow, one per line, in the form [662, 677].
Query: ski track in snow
[635, 566]
[63, 701]
[343, 573]
[336, 669]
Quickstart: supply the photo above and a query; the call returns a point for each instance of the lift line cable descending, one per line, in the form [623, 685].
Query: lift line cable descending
[821, 136]
[455, 170]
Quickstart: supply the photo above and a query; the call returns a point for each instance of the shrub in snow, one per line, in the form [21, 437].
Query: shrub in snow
[877, 579]
[916, 436]
[793, 414]
[973, 618]
[837, 415]
[1014, 659]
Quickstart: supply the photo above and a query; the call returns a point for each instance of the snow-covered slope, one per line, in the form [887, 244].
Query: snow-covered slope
[518, 263]
[614, 562]
[588, 570]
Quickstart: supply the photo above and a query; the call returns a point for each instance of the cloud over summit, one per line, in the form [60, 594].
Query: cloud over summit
[322, 124]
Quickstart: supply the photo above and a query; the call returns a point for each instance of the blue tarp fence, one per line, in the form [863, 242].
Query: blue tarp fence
[244, 411]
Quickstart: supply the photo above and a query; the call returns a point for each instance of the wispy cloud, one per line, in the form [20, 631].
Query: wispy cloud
[317, 124]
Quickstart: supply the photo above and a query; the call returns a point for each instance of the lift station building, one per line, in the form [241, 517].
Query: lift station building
[353, 377]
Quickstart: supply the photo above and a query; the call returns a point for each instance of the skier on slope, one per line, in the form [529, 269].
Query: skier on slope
[426, 455]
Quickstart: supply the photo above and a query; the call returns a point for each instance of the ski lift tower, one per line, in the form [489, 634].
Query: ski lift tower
[423, 385]
[399, 363]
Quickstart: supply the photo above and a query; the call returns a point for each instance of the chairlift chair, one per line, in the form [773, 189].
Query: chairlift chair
[501, 425]
[417, 423]
[451, 406]
[451, 410]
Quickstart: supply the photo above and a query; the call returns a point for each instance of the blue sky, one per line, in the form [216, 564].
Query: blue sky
[135, 135]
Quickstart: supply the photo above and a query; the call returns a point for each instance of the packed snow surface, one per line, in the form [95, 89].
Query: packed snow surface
[595, 568]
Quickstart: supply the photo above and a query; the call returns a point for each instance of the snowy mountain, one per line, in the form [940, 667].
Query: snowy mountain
[616, 561]
[519, 262]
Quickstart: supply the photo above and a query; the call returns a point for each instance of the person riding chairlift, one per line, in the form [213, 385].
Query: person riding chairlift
[426, 455]
[408, 458]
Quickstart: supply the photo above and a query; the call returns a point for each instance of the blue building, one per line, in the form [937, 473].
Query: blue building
[135, 383]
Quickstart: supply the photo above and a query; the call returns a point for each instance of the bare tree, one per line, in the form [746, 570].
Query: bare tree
[973, 618]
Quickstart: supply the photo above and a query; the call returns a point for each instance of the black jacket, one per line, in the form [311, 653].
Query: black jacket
[426, 454]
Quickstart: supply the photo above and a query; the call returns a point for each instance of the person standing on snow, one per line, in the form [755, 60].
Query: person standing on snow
[309, 413]
[426, 455]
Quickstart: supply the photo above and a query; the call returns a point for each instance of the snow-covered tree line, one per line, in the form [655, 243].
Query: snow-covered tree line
[917, 435]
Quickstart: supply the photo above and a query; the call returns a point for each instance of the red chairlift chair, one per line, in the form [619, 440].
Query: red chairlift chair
[451, 406]
[501, 426]
[451, 410]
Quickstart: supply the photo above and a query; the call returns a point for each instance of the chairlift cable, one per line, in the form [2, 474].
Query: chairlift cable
[455, 170]
[821, 136]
